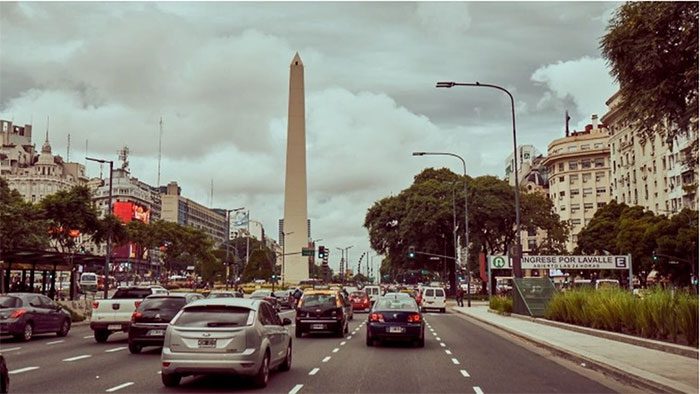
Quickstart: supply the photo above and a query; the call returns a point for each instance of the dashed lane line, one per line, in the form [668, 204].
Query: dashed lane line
[296, 389]
[21, 370]
[442, 344]
[77, 357]
[336, 350]
[87, 336]
[455, 361]
[55, 342]
[447, 351]
[325, 360]
[477, 390]
[121, 386]
[438, 339]
[343, 343]
[349, 337]
[464, 373]
[116, 349]
[11, 349]
[314, 371]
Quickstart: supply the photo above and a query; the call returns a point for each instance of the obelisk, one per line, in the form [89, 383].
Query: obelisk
[296, 266]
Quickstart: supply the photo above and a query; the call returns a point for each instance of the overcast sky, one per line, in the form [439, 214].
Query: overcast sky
[218, 75]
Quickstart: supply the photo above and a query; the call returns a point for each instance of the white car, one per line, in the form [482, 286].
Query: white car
[373, 292]
[433, 298]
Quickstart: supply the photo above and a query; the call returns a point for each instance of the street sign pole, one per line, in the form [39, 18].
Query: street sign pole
[488, 286]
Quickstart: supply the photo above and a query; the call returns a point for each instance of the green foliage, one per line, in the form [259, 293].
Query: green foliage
[69, 210]
[21, 223]
[652, 49]
[259, 267]
[502, 304]
[659, 314]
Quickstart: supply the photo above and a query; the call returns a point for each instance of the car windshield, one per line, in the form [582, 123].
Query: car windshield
[170, 303]
[396, 304]
[10, 302]
[131, 293]
[318, 300]
[213, 316]
[358, 294]
[261, 294]
[221, 295]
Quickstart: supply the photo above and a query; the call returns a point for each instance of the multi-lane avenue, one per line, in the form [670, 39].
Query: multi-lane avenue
[459, 356]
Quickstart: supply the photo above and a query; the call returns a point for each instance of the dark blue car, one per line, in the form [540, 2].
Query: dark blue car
[395, 318]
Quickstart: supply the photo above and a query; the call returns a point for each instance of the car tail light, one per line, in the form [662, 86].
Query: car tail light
[138, 303]
[135, 316]
[376, 317]
[95, 304]
[18, 313]
[166, 365]
[414, 318]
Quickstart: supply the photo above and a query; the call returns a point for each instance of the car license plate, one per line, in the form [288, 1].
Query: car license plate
[114, 327]
[204, 343]
[156, 333]
[395, 330]
[318, 326]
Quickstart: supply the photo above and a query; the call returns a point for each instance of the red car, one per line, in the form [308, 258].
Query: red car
[360, 301]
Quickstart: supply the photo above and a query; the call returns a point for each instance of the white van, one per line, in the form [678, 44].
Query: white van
[433, 298]
[88, 282]
[373, 292]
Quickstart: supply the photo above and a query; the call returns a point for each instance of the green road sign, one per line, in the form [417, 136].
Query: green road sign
[308, 251]
[499, 262]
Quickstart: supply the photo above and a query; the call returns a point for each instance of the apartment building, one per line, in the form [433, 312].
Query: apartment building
[178, 209]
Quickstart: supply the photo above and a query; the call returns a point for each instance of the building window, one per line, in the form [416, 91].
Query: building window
[562, 208]
[575, 192]
[599, 145]
[531, 232]
[573, 165]
[572, 148]
[575, 208]
[561, 166]
[586, 177]
[585, 147]
[585, 163]
[562, 193]
[573, 179]
[576, 222]
[587, 206]
[599, 176]
[561, 179]
[600, 191]
[587, 191]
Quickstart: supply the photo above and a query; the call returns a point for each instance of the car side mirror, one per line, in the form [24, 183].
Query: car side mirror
[286, 321]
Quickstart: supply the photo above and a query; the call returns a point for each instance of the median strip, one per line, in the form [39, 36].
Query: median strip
[314, 371]
[296, 389]
[25, 369]
[77, 357]
[121, 386]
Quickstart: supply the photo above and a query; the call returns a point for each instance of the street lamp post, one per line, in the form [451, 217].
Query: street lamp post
[344, 260]
[108, 258]
[517, 270]
[466, 222]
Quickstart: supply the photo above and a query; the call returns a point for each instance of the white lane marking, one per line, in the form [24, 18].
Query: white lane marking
[87, 336]
[455, 361]
[296, 389]
[121, 386]
[325, 360]
[116, 349]
[442, 344]
[343, 343]
[314, 371]
[448, 352]
[349, 337]
[11, 349]
[159, 372]
[477, 390]
[55, 342]
[77, 357]
[26, 369]
[438, 339]
[464, 373]
[336, 350]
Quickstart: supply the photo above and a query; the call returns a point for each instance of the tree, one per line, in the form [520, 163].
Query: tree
[21, 223]
[259, 267]
[69, 213]
[600, 235]
[652, 49]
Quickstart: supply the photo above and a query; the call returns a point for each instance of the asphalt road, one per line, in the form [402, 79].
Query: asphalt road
[459, 356]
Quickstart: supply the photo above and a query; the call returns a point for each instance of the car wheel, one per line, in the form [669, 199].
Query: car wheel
[170, 379]
[134, 348]
[27, 332]
[263, 374]
[287, 363]
[65, 327]
[297, 332]
[101, 336]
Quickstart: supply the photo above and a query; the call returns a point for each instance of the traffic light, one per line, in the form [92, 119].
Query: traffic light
[411, 252]
[654, 256]
[321, 252]
[274, 277]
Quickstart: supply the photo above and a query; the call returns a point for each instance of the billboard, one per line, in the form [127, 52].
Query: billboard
[128, 211]
[609, 262]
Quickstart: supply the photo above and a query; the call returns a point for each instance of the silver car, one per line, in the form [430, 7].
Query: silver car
[226, 336]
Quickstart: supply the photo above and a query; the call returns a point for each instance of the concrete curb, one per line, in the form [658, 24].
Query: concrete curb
[680, 350]
[640, 379]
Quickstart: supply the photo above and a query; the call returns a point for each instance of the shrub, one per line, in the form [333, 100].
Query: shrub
[501, 304]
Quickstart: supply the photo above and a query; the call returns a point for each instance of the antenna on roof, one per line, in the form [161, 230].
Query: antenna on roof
[86, 151]
[567, 118]
[68, 150]
[160, 148]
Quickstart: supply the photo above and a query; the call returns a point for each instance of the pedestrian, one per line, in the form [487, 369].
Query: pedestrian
[460, 296]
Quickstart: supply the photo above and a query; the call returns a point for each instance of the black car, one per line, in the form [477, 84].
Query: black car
[25, 314]
[151, 319]
[283, 298]
[323, 310]
[395, 319]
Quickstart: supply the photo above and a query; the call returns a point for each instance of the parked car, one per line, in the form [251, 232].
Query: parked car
[151, 318]
[395, 318]
[223, 336]
[323, 310]
[433, 298]
[359, 301]
[25, 314]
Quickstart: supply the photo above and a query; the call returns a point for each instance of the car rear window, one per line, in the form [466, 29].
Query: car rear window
[316, 300]
[214, 316]
[439, 293]
[10, 302]
[174, 303]
[221, 295]
[396, 304]
[429, 293]
[358, 294]
[131, 293]
[261, 294]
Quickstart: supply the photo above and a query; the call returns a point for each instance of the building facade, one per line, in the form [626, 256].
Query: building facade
[178, 209]
[578, 168]
[528, 154]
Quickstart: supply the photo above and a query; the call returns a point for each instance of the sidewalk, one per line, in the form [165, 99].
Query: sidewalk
[654, 369]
